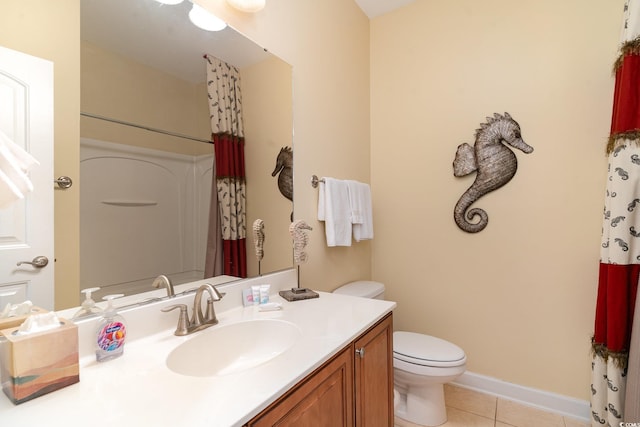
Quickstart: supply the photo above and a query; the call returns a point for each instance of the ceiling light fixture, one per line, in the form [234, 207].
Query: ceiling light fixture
[202, 18]
[250, 6]
[171, 2]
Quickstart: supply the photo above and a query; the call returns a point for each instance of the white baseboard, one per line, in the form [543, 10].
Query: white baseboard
[544, 400]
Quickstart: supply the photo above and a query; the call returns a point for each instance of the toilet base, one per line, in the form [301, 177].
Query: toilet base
[423, 406]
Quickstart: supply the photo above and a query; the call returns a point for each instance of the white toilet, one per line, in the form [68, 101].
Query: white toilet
[422, 364]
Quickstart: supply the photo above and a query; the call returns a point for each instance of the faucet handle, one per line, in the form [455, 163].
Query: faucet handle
[210, 315]
[183, 322]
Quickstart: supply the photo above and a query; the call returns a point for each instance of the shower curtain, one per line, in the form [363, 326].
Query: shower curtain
[620, 250]
[225, 110]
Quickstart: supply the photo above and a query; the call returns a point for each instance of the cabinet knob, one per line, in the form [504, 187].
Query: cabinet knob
[360, 352]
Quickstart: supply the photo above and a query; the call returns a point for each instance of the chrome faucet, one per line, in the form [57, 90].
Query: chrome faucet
[198, 321]
[164, 282]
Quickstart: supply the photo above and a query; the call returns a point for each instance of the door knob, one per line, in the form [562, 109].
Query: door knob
[38, 262]
[63, 182]
[360, 352]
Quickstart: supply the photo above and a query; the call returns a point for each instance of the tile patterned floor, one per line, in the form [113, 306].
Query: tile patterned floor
[468, 408]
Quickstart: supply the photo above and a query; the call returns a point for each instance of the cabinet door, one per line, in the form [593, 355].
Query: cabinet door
[374, 376]
[324, 399]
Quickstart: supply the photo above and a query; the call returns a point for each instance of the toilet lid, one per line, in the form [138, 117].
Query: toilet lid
[426, 350]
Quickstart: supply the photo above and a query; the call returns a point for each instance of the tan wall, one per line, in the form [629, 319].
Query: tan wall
[519, 297]
[116, 87]
[51, 30]
[268, 121]
[327, 43]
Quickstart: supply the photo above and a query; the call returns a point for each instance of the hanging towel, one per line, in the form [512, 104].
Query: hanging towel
[361, 212]
[335, 210]
[14, 162]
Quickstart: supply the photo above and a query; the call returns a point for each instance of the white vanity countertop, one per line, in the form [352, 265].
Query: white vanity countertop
[138, 389]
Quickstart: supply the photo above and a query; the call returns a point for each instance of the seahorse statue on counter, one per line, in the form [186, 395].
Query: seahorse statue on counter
[494, 163]
[300, 240]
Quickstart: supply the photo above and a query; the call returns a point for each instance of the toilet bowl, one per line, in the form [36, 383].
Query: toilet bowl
[422, 364]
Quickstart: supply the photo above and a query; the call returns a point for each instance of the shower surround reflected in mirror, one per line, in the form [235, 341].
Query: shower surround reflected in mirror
[144, 194]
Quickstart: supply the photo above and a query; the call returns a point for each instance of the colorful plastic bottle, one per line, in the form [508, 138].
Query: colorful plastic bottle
[112, 333]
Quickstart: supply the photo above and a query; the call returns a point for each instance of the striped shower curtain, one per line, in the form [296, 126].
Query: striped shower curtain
[225, 110]
[620, 251]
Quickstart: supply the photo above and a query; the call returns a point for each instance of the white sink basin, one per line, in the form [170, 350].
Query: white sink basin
[233, 348]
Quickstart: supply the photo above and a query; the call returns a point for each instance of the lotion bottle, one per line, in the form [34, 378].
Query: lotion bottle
[111, 333]
[88, 306]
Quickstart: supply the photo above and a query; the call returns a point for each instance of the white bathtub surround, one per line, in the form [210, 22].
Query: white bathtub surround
[143, 210]
[125, 391]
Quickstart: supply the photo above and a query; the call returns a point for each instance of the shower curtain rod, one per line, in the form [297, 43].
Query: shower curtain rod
[165, 132]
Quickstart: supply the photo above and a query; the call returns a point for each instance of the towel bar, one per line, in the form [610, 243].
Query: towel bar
[315, 180]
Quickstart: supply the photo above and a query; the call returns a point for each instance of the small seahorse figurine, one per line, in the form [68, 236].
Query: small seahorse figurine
[494, 163]
[258, 238]
[300, 240]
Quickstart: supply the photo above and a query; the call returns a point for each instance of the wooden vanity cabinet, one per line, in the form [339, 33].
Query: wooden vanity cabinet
[354, 388]
[322, 399]
[374, 376]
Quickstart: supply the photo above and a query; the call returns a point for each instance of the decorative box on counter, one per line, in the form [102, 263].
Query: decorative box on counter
[39, 362]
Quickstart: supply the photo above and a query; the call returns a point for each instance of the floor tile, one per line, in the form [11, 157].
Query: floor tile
[399, 422]
[455, 418]
[570, 422]
[458, 418]
[471, 401]
[469, 408]
[518, 415]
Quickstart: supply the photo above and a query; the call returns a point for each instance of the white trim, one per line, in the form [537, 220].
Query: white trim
[540, 399]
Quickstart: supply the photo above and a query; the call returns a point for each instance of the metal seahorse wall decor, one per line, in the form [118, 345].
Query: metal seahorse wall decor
[284, 167]
[494, 163]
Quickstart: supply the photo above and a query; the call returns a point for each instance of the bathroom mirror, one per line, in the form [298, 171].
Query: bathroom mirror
[143, 71]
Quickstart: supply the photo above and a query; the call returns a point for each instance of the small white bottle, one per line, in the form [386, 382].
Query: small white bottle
[111, 334]
[88, 306]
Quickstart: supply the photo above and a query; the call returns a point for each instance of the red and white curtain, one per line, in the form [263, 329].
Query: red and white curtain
[620, 250]
[225, 109]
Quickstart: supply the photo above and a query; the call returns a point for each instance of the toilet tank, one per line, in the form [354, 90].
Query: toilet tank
[362, 288]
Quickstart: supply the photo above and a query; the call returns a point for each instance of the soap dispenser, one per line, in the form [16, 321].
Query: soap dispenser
[111, 332]
[88, 306]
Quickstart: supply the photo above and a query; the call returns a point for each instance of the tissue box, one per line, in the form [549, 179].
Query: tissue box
[10, 322]
[35, 364]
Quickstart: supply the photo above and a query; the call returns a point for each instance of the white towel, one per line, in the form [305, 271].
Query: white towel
[14, 162]
[335, 210]
[361, 212]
